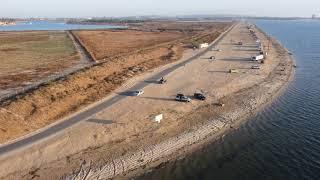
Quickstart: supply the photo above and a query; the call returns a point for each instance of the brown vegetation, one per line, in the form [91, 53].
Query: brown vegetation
[103, 44]
[28, 56]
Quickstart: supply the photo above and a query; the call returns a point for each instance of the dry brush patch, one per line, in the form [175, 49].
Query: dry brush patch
[27, 56]
[103, 44]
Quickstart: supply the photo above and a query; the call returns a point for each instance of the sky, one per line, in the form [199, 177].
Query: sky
[118, 8]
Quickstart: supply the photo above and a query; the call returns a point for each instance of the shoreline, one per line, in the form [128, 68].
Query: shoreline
[128, 154]
[215, 137]
[187, 142]
[211, 139]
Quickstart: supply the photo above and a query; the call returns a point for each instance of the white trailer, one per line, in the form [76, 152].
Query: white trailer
[257, 58]
[203, 45]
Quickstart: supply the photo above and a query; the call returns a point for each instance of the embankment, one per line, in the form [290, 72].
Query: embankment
[215, 122]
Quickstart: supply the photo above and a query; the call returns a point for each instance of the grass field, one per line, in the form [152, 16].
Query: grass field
[102, 44]
[28, 55]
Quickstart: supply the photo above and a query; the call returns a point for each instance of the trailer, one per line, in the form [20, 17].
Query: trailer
[257, 58]
[203, 45]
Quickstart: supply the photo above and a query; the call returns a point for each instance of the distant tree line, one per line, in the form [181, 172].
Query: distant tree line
[111, 20]
[7, 20]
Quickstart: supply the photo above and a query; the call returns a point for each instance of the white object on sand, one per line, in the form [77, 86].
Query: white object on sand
[158, 118]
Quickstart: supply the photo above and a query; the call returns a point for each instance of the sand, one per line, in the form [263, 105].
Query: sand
[124, 137]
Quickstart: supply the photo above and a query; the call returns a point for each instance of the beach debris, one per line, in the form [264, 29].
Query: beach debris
[220, 104]
[158, 118]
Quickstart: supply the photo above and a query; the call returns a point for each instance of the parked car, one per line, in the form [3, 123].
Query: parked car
[137, 93]
[162, 81]
[182, 98]
[212, 58]
[257, 58]
[199, 96]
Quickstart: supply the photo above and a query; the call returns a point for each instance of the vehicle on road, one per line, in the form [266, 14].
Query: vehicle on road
[199, 96]
[212, 58]
[257, 58]
[240, 43]
[137, 93]
[162, 81]
[182, 98]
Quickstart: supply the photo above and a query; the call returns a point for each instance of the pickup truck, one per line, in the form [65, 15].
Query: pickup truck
[182, 98]
[199, 96]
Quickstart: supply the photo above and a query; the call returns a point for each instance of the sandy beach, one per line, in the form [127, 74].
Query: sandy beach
[123, 139]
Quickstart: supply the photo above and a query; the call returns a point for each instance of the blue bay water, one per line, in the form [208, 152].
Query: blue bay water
[280, 142]
[45, 25]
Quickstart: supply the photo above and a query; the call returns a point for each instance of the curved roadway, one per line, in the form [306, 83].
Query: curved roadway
[85, 115]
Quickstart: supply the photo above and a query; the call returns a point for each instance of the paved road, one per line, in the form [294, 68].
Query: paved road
[85, 115]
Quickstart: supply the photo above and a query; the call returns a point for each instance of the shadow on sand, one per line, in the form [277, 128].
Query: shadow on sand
[152, 81]
[245, 49]
[236, 59]
[100, 121]
[159, 98]
[218, 71]
[126, 93]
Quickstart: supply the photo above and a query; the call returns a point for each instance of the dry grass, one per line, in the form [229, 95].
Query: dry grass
[103, 44]
[27, 56]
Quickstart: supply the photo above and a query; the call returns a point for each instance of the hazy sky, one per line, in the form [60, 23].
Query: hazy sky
[89, 8]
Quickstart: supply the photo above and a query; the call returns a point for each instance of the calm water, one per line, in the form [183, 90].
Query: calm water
[44, 25]
[282, 141]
